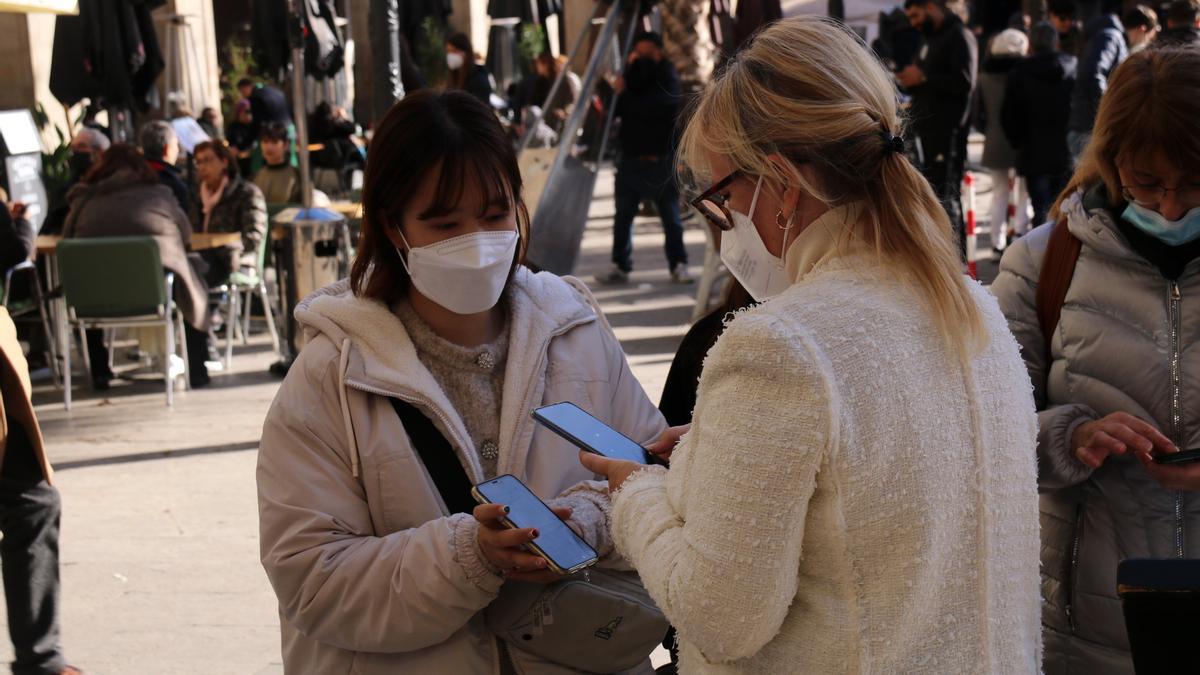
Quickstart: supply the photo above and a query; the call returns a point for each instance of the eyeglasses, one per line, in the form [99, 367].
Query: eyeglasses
[1152, 195]
[711, 203]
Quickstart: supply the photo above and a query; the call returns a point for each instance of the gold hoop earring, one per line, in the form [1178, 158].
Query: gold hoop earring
[787, 225]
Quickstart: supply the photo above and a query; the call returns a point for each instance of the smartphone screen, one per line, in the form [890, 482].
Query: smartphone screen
[576, 425]
[557, 542]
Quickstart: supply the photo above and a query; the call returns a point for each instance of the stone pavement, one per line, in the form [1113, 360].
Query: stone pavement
[159, 556]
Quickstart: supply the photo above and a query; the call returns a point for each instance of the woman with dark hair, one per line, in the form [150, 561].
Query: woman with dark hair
[228, 203]
[1104, 303]
[466, 74]
[441, 338]
[121, 197]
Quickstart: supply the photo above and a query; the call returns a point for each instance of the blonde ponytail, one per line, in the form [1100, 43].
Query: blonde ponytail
[809, 90]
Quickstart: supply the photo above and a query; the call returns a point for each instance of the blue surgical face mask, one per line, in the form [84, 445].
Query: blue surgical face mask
[1170, 232]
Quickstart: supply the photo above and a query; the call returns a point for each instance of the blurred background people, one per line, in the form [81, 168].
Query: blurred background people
[466, 73]
[160, 147]
[942, 83]
[241, 135]
[228, 203]
[278, 180]
[1005, 52]
[1061, 14]
[1104, 50]
[122, 197]
[1141, 27]
[1036, 111]
[1183, 24]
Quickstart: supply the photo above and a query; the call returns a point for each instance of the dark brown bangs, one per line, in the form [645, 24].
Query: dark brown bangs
[472, 166]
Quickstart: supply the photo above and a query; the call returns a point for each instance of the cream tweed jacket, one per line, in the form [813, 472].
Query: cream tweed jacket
[850, 497]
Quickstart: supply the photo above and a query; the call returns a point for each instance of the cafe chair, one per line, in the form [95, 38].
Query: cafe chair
[36, 302]
[119, 282]
[237, 301]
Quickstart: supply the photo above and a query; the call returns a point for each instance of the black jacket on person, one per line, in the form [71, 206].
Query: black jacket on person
[169, 176]
[1104, 51]
[1035, 113]
[941, 105]
[268, 104]
[1180, 36]
[17, 239]
[648, 108]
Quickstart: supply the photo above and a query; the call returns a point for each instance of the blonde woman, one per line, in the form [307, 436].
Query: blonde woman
[857, 491]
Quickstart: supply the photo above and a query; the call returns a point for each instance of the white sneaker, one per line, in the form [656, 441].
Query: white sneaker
[679, 274]
[177, 366]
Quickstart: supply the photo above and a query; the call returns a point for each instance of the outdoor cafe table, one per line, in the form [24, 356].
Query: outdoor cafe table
[47, 244]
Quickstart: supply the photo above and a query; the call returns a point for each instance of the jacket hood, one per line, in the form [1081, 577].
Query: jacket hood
[1091, 221]
[377, 355]
[1103, 22]
[1051, 67]
[384, 356]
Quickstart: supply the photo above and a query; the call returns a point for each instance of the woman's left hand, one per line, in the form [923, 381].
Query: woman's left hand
[1184, 477]
[617, 470]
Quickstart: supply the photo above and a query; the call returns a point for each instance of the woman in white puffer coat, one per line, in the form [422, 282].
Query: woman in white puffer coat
[375, 572]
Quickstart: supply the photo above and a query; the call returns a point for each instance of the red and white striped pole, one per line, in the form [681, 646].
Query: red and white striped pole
[969, 182]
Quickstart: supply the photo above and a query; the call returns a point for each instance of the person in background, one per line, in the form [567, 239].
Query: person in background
[1183, 24]
[942, 83]
[160, 147]
[466, 73]
[228, 203]
[267, 104]
[649, 98]
[534, 89]
[122, 197]
[18, 239]
[1116, 373]
[1037, 107]
[240, 134]
[1061, 14]
[278, 180]
[1005, 52]
[1104, 50]
[814, 517]
[86, 148]
[211, 123]
[1141, 27]
[30, 512]
[343, 151]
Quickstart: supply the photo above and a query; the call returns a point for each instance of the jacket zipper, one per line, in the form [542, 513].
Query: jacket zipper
[1071, 574]
[1176, 404]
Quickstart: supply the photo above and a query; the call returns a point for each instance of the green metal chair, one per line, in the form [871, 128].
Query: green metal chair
[119, 282]
[237, 310]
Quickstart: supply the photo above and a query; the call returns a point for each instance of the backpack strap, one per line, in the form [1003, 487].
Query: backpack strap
[1058, 268]
[438, 456]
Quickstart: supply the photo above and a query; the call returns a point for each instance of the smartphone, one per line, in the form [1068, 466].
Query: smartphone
[588, 433]
[1181, 457]
[556, 542]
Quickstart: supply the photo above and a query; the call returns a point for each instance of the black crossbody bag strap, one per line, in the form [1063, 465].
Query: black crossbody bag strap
[438, 456]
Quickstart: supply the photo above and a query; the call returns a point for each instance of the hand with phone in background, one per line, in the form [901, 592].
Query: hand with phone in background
[1175, 470]
[524, 537]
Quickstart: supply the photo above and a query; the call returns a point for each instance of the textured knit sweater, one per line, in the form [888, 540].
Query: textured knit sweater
[471, 377]
[852, 496]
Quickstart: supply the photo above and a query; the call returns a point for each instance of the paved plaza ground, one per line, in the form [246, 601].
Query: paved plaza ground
[159, 536]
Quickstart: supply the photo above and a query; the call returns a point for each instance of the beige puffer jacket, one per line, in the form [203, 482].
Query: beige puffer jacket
[372, 573]
[1128, 341]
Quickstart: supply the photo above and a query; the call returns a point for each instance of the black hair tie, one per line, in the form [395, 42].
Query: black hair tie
[893, 144]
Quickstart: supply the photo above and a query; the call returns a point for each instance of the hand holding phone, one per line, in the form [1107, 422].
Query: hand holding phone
[1176, 458]
[516, 517]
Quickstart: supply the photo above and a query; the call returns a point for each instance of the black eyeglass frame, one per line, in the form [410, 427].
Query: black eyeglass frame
[721, 218]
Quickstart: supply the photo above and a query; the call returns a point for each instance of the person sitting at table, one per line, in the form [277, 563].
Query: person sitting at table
[121, 197]
[278, 179]
[240, 133]
[160, 147]
[228, 203]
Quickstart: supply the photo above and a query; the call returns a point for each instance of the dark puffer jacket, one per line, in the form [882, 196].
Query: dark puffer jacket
[1123, 328]
[1037, 101]
[241, 209]
[1105, 50]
